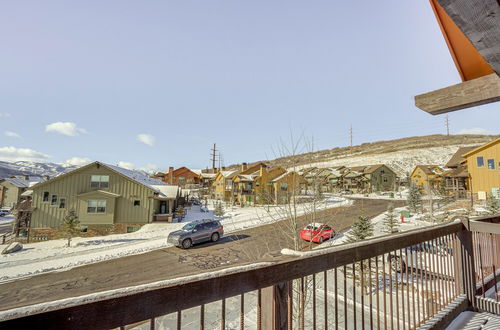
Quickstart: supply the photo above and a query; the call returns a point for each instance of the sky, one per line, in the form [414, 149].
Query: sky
[153, 84]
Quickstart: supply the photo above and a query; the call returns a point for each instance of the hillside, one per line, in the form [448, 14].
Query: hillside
[32, 168]
[402, 154]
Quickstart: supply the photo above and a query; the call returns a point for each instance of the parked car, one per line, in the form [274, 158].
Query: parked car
[419, 256]
[196, 232]
[317, 232]
[4, 212]
[345, 192]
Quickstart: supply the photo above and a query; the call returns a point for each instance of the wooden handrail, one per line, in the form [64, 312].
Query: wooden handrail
[128, 309]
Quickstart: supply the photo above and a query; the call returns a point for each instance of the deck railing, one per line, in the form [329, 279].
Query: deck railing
[401, 281]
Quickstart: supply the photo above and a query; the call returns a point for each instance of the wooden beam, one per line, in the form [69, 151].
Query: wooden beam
[479, 21]
[461, 96]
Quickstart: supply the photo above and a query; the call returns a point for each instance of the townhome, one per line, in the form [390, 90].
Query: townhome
[106, 198]
[456, 175]
[483, 164]
[12, 188]
[183, 177]
[426, 176]
[223, 184]
[286, 186]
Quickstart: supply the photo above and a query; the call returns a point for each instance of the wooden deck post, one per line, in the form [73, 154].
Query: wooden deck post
[464, 259]
[275, 307]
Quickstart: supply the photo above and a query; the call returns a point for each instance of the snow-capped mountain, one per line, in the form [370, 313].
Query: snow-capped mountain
[33, 168]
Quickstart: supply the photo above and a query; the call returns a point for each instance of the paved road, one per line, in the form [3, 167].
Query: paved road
[256, 244]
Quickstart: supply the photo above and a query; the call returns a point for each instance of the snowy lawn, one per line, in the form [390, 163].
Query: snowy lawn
[55, 255]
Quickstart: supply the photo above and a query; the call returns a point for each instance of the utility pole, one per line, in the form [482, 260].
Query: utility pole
[350, 136]
[447, 125]
[214, 150]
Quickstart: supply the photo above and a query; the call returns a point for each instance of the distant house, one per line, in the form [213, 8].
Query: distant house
[457, 175]
[107, 199]
[426, 176]
[223, 184]
[370, 178]
[183, 177]
[206, 183]
[325, 179]
[287, 185]
[483, 164]
[11, 188]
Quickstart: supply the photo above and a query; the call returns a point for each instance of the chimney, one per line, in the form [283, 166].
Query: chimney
[171, 175]
[223, 168]
[243, 166]
[262, 169]
[46, 177]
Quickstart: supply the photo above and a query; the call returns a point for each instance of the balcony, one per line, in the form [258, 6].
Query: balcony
[423, 278]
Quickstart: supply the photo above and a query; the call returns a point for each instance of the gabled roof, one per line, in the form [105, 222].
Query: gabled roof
[229, 174]
[208, 175]
[481, 148]
[135, 176]
[458, 158]
[20, 181]
[428, 169]
[169, 192]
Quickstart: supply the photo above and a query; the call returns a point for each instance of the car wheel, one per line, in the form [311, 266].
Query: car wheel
[186, 244]
[397, 264]
[320, 240]
[215, 237]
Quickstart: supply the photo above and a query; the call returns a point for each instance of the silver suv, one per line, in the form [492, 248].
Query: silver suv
[196, 232]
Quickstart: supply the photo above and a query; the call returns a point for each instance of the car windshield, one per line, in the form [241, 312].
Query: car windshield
[188, 227]
[312, 227]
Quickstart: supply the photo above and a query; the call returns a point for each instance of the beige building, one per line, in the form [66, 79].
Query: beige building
[483, 164]
[106, 198]
[11, 188]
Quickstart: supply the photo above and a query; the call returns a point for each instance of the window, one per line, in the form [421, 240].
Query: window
[45, 196]
[84, 229]
[182, 179]
[53, 200]
[137, 203]
[385, 180]
[131, 229]
[62, 203]
[96, 206]
[480, 161]
[491, 164]
[284, 186]
[99, 181]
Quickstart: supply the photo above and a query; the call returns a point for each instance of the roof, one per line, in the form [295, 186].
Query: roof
[21, 182]
[208, 175]
[428, 169]
[228, 174]
[484, 146]
[459, 172]
[246, 177]
[135, 176]
[457, 157]
[167, 191]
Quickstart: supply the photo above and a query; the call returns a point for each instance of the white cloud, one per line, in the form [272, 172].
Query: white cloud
[475, 130]
[15, 154]
[126, 165]
[4, 115]
[77, 161]
[146, 139]
[11, 134]
[150, 168]
[65, 128]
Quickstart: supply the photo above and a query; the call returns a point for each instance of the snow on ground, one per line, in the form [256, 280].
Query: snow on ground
[6, 219]
[400, 161]
[115, 293]
[55, 255]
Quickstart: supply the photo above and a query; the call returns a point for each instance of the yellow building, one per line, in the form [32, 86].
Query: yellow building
[287, 185]
[483, 164]
[424, 176]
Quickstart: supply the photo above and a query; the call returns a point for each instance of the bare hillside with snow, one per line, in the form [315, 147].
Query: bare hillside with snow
[402, 155]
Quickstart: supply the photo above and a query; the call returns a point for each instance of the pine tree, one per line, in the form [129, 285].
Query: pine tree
[492, 205]
[71, 225]
[391, 224]
[361, 229]
[414, 198]
[219, 210]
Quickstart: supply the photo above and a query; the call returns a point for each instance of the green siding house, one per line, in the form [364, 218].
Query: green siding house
[106, 198]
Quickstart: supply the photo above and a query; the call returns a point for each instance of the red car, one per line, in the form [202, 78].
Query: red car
[319, 232]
